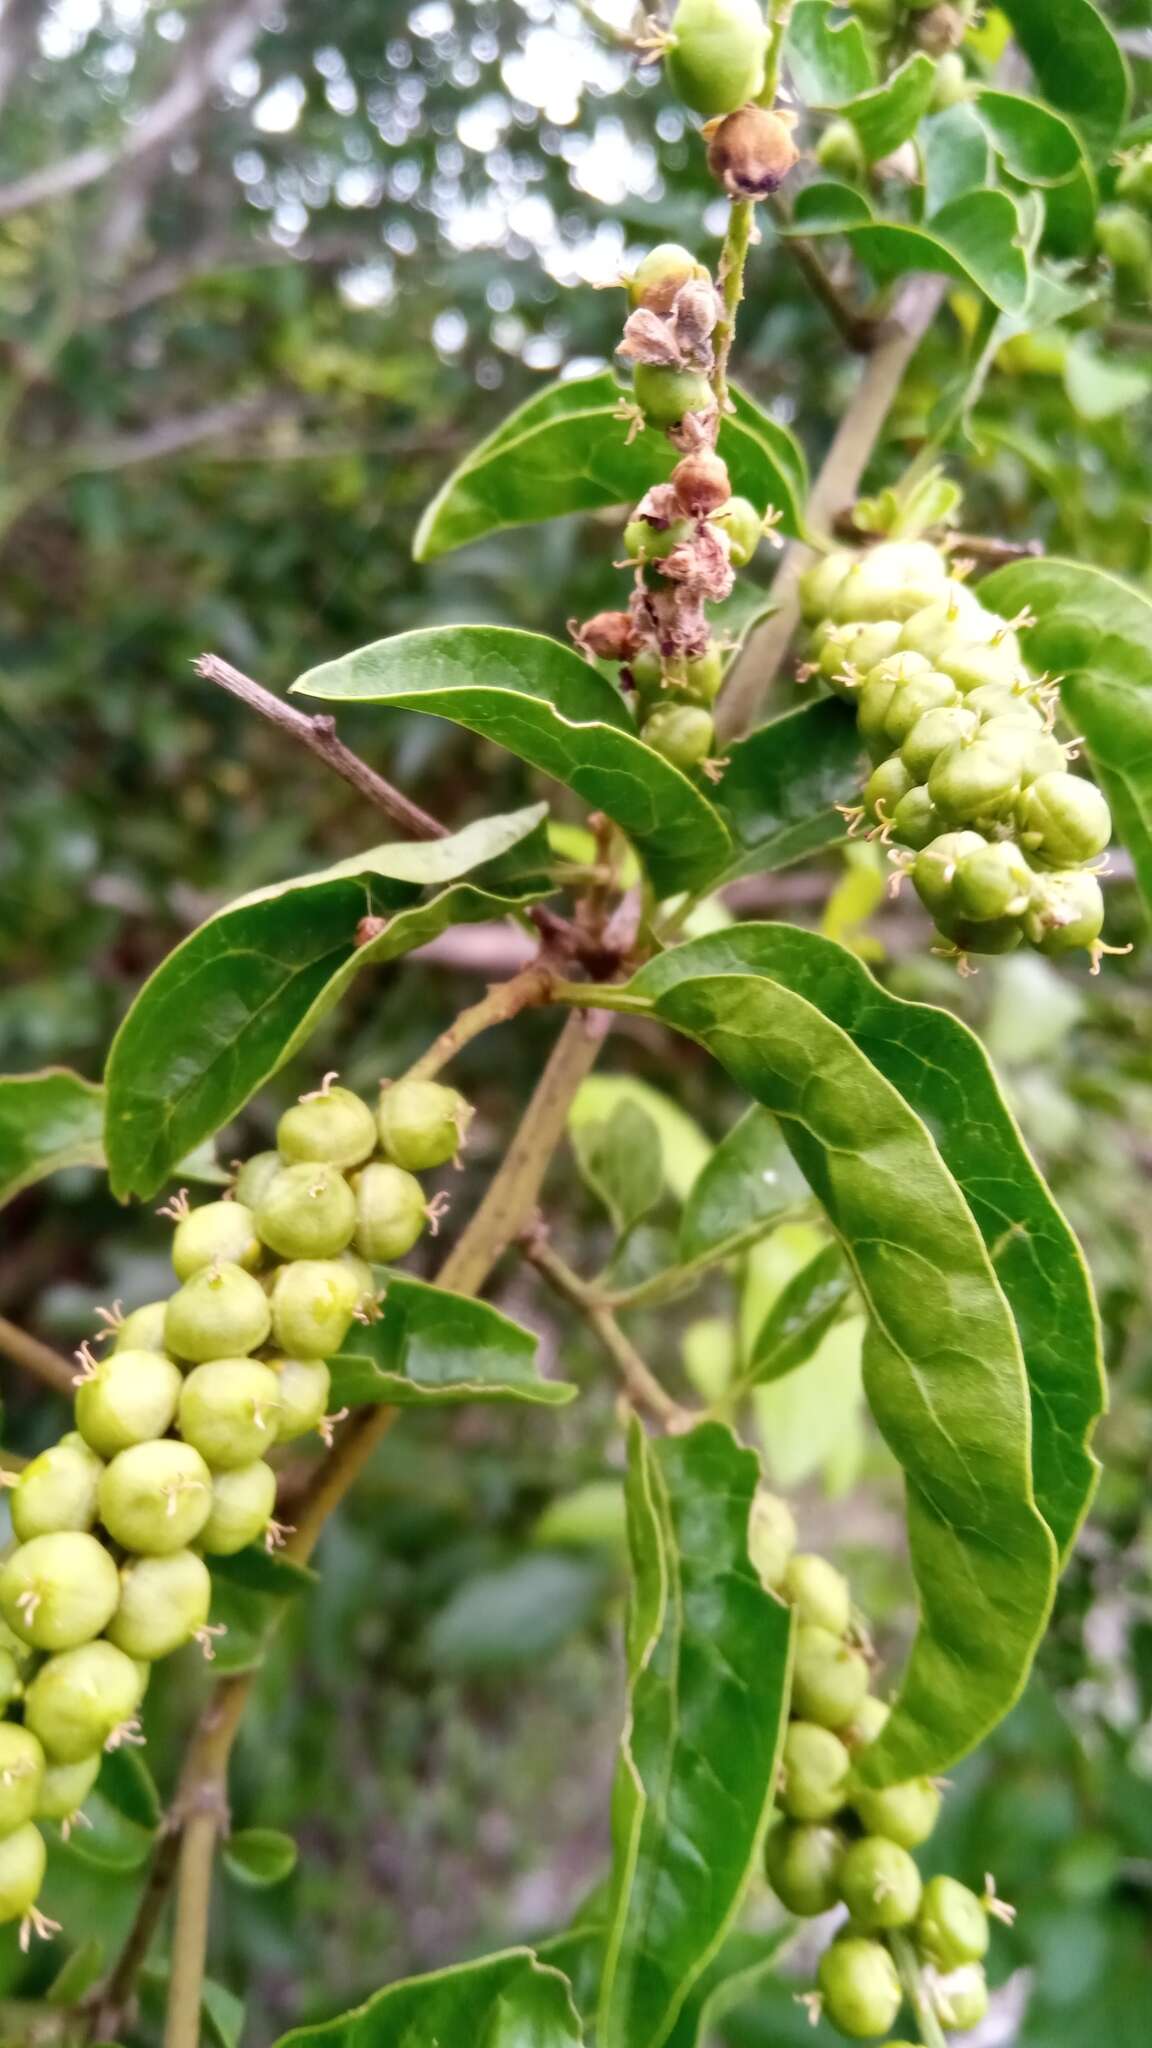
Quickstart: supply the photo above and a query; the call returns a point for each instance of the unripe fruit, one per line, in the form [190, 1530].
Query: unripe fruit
[829, 1679]
[701, 483]
[218, 1230]
[228, 1411]
[915, 820]
[879, 1884]
[771, 1538]
[610, 636]
[163, 1602]
[931, 734]
[961, 1998]
[21, 1775]
[65, 1787]
[391, 1212]
[155, 1498]
[255, 1176]
[885, 787]
[950, 84]
[22, 1860]
[821, 585]
[422, 1123]
[1045, 756]
[1066, 912]
[975, 664]
[221, 1312]
[716, 61]
[143, 1329]
[819, 1593]
[751, 152]
[999, 701]
[1063, 820]
[242, 1504]
[57, 1490]
[933, 691]
[1126, 239]
[873, 642]
[307, 1212]
[11, 1681]
[367, 1291]
[954, 617]
[992, 935]
[975, 781]
[802, 1865]
[705, 675]
[867, 1722]
[906, 1813]
[683, 733]
[895, 580]
[332, 1127]
[859, 1986]
[644, 542]
[744, 526]
[658, 276]
[303, 1386]
[815, 1772]
[312, 1305]
[78, 1699]
[130, 1399]
[934, 871]
[58, 1591]
[952, 1925]
[664, 395]
[840, 151]
[995, 882]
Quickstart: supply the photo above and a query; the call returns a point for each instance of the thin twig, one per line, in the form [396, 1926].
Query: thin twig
[503, 1001]
[37, 1358]
[640, 1383]
[730, 277]
[860, 330]
[907, 1963]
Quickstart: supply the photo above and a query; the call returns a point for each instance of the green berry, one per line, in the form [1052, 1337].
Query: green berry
[704, 676]
[57, 1490]
[819, 1593]
[932, 733]
[391, 1212]
[1064, 820]
[77, 1700]
[893, 581]
[65, 1787]
[155, 1498]
[771, 1538]
[1045, 756]
[254, 1177]
[859, 1986]
[976, 664]
[950, 85]
[422, 1123]
[664, 395]
[21, 1775]
[682, 733]
[644, 542]
[1126, 239]
[989, 935]
[915, 820]
[367, 1290]
[58, 1591]
[821, 584]
[867, 1722]
[218, 1230]
[906, 1813]
[716, 60]
[330, 1128]
[885, 787]
[130, 1398]
[303, 1386]
[242, 1504]
[975, 781]
[1066, 911]
[313, 1301]
[143, 1329]
[994, 882]
[952, 617]
[879, 691]
[164, 1601]
[228, 1411]
[931, 692]
[802, 1866]
[961, 1998]
[814, 1773]
[22, 1860]
[830, 1678]
[998, 700]
[307, 1212]
[11, 1677]
[221, 1312]
[934, 870]
[879, 1884]
[744, 526]
[660, 274]
[840, 152]
[952, 1925]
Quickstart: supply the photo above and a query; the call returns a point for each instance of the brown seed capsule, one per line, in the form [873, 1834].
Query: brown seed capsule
[701, 483]
[610, 635]
[751, 152]
[941, 28]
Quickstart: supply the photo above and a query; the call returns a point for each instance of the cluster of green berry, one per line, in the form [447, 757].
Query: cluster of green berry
[841, 1844]
[969, 777]
[167, 1464]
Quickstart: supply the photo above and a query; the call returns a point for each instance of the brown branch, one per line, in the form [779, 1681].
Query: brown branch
[38, 1359]
[19, 28]
[861, 331]
[639, 1382]
[503, 1001]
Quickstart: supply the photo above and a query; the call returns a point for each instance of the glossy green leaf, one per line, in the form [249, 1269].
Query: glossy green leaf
[708, 1662]
[733, 1976]
[545, 704]
[782, 784]
[1078, 64]
[504, 2001]
[259, 1570]
[800, 1317]
[621, 1160]
[828, 56]
[684, 1149]
[110, 1842]
[428, 1347]
[751, 1179]
[943, 1367]
[127, 1784]
[955, 155]
[1041, 148]
[1095, 633]
[246, 990]
[48, 1121]
[259, 1857]
[976, 238]
[887, 116]
[518, 1614]
[567, 450]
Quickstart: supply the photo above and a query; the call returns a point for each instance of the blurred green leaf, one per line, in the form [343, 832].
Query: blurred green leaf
[684, 1148]
[782, 784]
[818, 1296]
[829, 58]
[515, 1615]
[589, 1516]
[83, 1969]
[429, 1346]
[750, 1179]
[887, 115]
[260, 1857]
[1100, 385]
[976, 238]
[47, 1121]
[622, 1162]
[127, 1784]
[955, 155]
[502, 2001]
[1078, 63]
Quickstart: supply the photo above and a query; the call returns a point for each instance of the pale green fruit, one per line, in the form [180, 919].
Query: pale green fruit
[164, 1602]
[771, 1538]
[819, 1593]
[65, 1787]
[59, 1591]
[218, 1230]
[78, 1699]
[422, 1123]
[57, 1490]
[156, 1498]
[716, 62]
[814, 1772]
[829, 1678]
[143, 1329]
[229, 1411]
[221, 1312]
[391, 1212]
[905, 1813]
[21, 1775]
[242, 1504]
[313, 1301]
[332, 1127]
[130, 1398]
[22, 1860]
[303, 1387]
[952, 1924]
[307, 1212]
[254, 1177]
[1066, 911]
[802, 1863]
[859, 1986]
[879, 1884]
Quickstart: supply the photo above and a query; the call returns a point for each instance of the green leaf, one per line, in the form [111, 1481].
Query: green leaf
[248, 1619]
[518, 1614]
[545, 704]
[709, 1674]
[887, 116]
[567, 450]
[257, 1570]
[223, 2014]
[246, 990]
[780, 789]
[259, 1857]
[750, 1179]
[800, 1317]
[48, 1121]
[504, 2001]
[976, 238]
[1041, 148]
[83, 1969]
[733, 1975]
[110, 1842]
[622, 1162]
[828, 56]
[1078, 64]
[1099, 385]
[955, 155]
[1095, 633]
[684, 1149]
[127, 1784]
[943, 1367]
[429, 1347]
